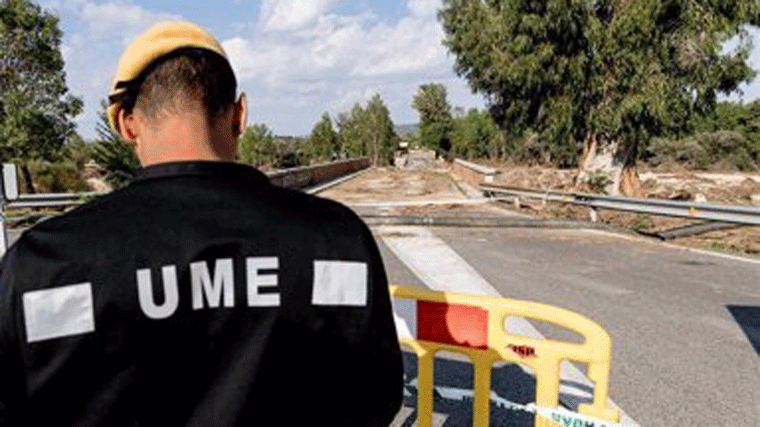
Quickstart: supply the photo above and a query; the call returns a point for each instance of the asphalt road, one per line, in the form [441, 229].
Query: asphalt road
[685, 325]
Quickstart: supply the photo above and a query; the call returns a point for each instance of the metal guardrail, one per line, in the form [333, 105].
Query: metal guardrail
[50, 200]
[737, 214]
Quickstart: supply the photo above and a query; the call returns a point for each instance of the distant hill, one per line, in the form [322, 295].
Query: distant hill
[407, 128]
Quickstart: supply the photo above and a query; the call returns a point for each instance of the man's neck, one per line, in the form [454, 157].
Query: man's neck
[183, 137]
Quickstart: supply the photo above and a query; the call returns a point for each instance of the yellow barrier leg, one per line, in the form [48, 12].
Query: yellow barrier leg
[547, 388]
[598, 373]
[425, 362]
[481, 410]
[547, 383]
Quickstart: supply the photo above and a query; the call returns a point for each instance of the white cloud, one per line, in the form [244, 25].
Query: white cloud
[120, 19]
[296, 60]
[414, 44]
[284, 15]
[346, 46]
[91, 51]
[424, 7]
[330, 61]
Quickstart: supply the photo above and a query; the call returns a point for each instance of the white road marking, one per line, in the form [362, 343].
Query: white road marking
[442, 269]
[673, 246]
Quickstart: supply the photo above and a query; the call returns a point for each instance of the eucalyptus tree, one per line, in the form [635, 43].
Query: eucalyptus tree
[256, 146]
[36, 110]
[380, 130]
[323, 140]
[599, 78]
[351, 137]
[436, 123]
[368, 131]
[475, 135]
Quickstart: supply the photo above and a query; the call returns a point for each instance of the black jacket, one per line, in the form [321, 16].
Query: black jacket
[198, 295]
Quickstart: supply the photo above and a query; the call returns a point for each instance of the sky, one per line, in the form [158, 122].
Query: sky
[294, 59]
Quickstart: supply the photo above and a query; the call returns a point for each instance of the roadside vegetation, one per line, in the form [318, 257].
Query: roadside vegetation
[597, 86]
[365, 131]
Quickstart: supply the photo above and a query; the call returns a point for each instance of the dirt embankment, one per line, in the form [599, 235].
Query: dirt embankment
[421, 178]
[734, 188]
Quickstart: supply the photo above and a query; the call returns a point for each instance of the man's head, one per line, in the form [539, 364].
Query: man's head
[174, 96]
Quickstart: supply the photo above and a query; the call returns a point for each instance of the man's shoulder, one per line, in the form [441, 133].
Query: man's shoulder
[317, 206]
[80, 217]
[315, 213]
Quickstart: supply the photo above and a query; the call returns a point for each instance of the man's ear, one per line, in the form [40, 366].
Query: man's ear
[241, 116]
[127, 126]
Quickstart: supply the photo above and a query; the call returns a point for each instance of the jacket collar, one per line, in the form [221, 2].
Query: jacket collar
[209, 169]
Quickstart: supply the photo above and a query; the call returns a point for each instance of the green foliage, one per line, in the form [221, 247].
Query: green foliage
[380, 133]
[598, 180]
[78, 151]
[476, 135]
[323, 141]
[290, 152]
[436, 122]
[112, 154]
[351, 136]
[642, 222]
[710, 151]
[368, 132]
[732, 116]
[58, 177]
[256, 146]
[630, 70]
[35, 110]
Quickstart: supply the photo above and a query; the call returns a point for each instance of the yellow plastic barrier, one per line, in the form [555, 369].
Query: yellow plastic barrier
[495, 343]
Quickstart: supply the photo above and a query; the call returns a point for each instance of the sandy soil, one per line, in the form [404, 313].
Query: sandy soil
[423, 186]
[737, 188]
[435, 190]
[390, 183]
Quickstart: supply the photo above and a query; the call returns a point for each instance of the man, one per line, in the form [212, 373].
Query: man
[200, 294]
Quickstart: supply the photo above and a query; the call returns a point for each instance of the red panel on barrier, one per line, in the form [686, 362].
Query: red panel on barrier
[460, 325]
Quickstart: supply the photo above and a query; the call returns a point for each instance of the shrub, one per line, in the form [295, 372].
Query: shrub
[709, 151]
[62, 177]
[598, 180]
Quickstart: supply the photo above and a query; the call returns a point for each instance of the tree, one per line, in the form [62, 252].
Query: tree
[257, 146]
[35, 110]
[111, 153]
[599, 77]
[732, 116]
[368, 132]
[78, 151]
[323, 141]
[350, 134]
[476, 135]
[436, 123]
[381, 135]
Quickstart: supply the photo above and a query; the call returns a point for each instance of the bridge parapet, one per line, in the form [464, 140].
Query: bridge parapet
[473, 173]
[309, 176]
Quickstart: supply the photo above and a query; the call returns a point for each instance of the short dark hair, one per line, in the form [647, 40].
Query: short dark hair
[185, 79]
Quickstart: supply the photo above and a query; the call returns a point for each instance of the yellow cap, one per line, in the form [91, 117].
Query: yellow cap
[159, 40]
